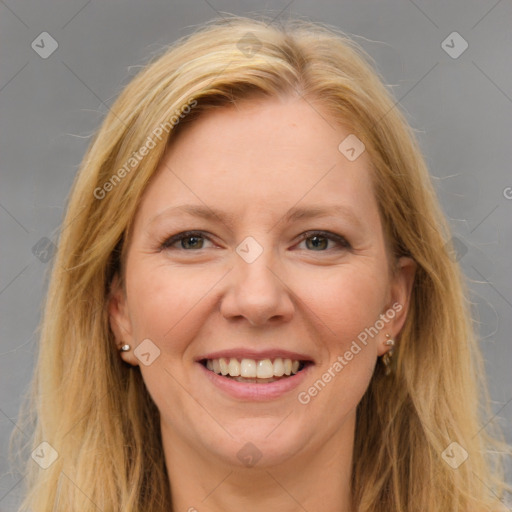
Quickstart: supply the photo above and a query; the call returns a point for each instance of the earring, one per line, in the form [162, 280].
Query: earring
[125, 348]
[389, 342]
[387, 357]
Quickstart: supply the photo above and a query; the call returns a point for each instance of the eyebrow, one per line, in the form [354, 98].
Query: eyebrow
[294, 214]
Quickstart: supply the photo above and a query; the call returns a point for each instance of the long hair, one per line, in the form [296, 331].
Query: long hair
[95, 411]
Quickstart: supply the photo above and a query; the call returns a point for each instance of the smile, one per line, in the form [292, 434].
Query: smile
[259, 371]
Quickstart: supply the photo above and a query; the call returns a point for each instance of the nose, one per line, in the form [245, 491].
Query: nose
[257, 292]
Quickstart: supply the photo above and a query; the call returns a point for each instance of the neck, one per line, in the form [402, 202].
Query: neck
[316, 478]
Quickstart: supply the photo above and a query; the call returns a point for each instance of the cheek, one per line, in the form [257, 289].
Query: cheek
[347, 300]
[348, 305]
[168, 302]
[165, 301]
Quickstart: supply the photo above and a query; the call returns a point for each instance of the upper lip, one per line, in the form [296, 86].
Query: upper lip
[245, 353]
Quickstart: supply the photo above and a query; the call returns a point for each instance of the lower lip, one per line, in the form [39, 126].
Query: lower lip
[253, 391]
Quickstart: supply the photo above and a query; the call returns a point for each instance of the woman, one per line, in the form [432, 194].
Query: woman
[253, 306]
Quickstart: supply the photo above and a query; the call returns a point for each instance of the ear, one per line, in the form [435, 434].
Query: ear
[120, 321]
[402, 281]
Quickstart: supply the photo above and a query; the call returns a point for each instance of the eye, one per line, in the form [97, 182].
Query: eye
[191, 240]
[320, 240]
[188, 239]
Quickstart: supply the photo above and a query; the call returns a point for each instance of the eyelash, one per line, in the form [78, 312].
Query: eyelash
[340, 240]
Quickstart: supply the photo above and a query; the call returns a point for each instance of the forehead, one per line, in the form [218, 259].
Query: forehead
[260, 157]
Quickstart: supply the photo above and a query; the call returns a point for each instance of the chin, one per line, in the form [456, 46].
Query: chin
[261, 442]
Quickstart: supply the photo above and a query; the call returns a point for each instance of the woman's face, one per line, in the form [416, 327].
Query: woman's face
[247, 286]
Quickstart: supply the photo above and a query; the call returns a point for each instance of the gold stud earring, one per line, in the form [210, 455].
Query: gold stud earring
[387, 357]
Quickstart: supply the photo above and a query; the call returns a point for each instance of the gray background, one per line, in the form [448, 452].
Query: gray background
[460, 107]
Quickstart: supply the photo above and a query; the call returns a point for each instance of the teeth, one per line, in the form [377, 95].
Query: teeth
[278, 367]
[234, 367]
[248, 370]
[264, 369]
[223, 362]
[254, 381]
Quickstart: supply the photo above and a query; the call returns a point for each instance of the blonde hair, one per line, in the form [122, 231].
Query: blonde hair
[96, 412]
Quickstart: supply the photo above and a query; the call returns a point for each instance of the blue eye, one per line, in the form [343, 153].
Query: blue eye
[320, 239]
[195, 240]
[195, 236]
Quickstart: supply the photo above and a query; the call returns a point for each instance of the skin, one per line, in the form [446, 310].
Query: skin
[255, 162]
